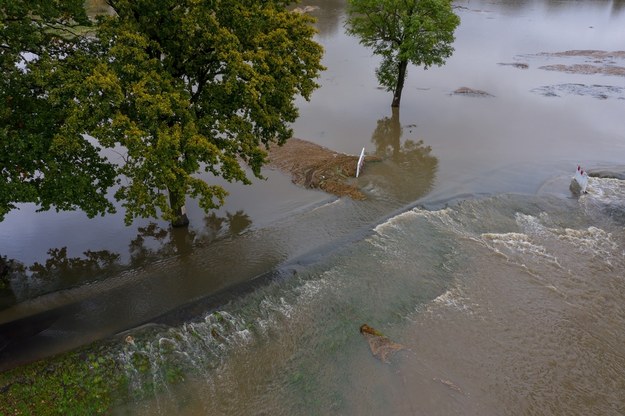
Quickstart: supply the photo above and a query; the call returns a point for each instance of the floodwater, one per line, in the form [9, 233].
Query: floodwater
[471, 251]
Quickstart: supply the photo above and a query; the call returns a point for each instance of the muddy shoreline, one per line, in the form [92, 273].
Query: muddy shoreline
[313, 166]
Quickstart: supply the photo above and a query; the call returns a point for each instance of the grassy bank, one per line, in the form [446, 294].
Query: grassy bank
[82, 382]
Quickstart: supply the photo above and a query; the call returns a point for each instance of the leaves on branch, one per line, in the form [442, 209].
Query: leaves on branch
[420, 32]
[175, 87]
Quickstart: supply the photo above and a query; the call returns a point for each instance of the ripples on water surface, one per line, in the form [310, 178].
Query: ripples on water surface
[511, 301]
[509, 305]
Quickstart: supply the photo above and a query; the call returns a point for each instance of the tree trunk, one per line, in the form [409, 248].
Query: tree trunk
[395, 132]
[177, 202]
[401, 76]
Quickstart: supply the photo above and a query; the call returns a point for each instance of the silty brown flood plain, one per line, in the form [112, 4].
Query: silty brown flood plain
[469, 249]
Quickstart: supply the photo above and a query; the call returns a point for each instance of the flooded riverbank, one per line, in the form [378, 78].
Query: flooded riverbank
[469, 249]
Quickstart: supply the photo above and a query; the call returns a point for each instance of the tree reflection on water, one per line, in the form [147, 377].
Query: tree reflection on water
[61, 271]
[408, 169]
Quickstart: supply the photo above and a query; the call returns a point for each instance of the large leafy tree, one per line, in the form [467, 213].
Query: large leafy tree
[38, 164]
[420, 32]
[177, 87]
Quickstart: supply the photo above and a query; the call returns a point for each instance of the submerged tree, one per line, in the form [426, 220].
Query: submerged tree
[177, 87]
[420, 32]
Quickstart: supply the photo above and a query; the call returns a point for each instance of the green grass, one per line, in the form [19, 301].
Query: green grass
[82, 382]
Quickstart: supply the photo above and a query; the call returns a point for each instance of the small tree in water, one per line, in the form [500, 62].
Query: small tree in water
[420, 32]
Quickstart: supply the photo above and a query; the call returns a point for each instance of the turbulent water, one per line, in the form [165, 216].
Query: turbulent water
[471, 251]
[508, 304]
[507, 291]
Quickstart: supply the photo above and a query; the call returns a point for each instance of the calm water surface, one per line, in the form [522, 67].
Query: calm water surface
[470, 250]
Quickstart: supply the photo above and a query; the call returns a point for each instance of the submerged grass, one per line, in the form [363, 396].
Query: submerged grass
[88, 381]
[97, 378]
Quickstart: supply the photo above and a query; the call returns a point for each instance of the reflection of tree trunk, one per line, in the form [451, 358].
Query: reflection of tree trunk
[7, 297]
[177, 202]
[4, 267]
[387, 136]
[395, 132]
[182, 240]
[401, 76]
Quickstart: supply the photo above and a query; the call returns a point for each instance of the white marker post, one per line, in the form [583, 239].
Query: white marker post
[579, 183]
[581, 178]
[361, 161]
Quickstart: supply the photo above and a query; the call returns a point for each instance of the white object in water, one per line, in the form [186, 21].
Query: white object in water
[361, 161]
[581, 178]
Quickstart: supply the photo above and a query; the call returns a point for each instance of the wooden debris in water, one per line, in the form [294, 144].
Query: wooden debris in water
[471, 92]
[381, 347]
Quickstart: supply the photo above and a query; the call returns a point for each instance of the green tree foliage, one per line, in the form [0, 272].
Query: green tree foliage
[37, 162]
[177, 87]
[420, 32]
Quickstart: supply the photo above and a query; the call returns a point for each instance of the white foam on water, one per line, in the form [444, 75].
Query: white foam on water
[441, 219]
[279, 306]
[452, 299]
[337, 201]
[605, 190]
[395, 223]
[191, 345]
[518, 248]
[530, 224]
[441, 215]
[591, 241]
[310, 289]
[604, 194]
[200, 345]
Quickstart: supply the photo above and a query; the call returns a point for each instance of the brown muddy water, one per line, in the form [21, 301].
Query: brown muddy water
[470, 249]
